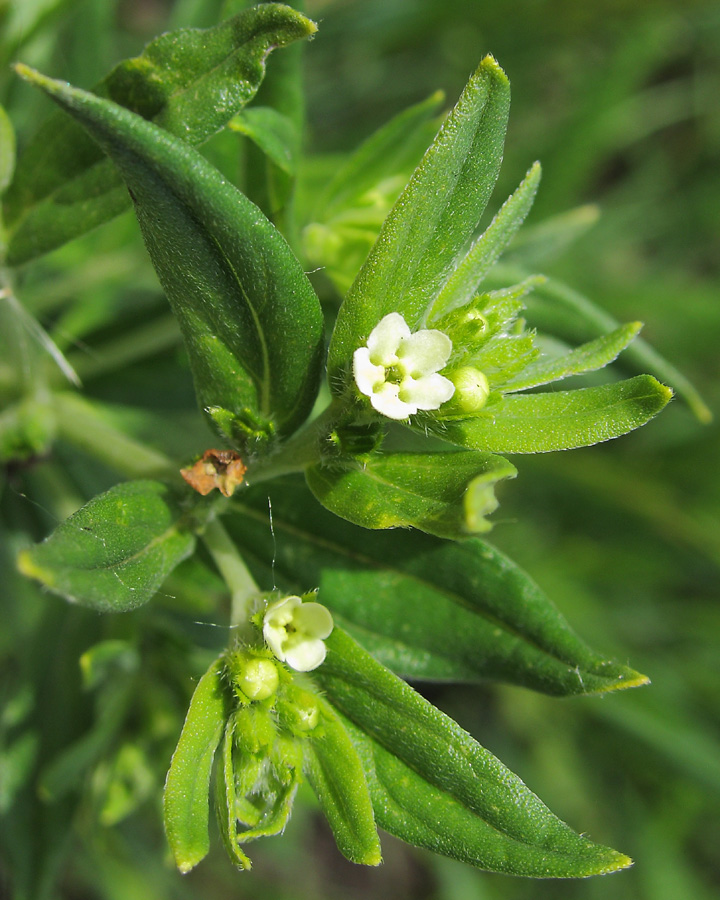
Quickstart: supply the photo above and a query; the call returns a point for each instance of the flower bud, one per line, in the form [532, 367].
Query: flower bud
[471, 389]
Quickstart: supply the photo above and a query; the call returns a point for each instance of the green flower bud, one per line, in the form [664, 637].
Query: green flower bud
[471, 389]
[259, 680]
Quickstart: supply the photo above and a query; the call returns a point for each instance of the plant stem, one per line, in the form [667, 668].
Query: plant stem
[231, 565]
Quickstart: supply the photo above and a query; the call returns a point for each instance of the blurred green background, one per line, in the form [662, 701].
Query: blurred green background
[618, 99]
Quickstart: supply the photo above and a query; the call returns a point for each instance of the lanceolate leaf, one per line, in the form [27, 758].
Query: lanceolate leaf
[337, 777]
[7, 150]
[463, 283]
[113, 554]
[586, 358]
[447, 494]
[189, 82]
[426, 608]
[250, 318]
[433, 220]
[186, 803]
[385, 154]
[432, 784]
[538, 423]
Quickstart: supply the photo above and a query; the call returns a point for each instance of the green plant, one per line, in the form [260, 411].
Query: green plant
[427, 372]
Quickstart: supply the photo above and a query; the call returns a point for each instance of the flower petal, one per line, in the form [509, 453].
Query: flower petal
[386, 401]
[314, 620]
[428, 392]
[425, 352]
[367, 375]
[385, 339]
[306, 656]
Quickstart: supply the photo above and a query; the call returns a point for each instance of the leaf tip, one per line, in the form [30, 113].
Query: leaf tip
[618, 862]
[491, 66]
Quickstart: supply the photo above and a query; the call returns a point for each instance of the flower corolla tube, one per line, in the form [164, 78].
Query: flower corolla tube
[399, 370]
[296, 631]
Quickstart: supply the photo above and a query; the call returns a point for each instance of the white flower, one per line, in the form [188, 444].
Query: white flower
[295, 632]
[398, 370]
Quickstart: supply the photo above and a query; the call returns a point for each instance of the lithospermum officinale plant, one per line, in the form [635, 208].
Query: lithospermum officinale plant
[384, 449]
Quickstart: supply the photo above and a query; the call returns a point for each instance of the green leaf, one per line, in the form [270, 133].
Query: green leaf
[587, 358]
[427, 608]
[470, 271]
[433, 785]
[250, 318]
[186, 805]
[538, 423]
[433, 220]
[7, 150]
[568, 314]
[226, 799]
[336, 775]
[189, 82]
[447, 494]
[390, 151]
[113, 554]
[273, 133]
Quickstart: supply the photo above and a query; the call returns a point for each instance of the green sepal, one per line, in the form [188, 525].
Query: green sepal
[426, 608]
[190, 82]
[114, 553]
[251, 321]
[433, 785]
[472, 268]
[226, 798]
[338, 780]
[586, 358]
[432, 221]
[564, 420]
[186, 805]
[446, 494]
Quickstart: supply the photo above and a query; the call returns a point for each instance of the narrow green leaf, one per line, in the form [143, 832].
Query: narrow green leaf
[274, 133]
[186, 805]
[250, 318]
[586, 358]
[336, 775]
[446, 494]
[7, 150]
[539, 423]
[472, 268]
[433, 220]
[113, 554]
[433, 785]
[393, 148]
[568, 314]
[427, 608]
[226, 799]
[189, 82]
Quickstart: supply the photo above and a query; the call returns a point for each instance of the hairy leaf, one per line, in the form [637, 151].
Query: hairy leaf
[114, 553]
[337, 777]
[586, 358]
[471, 269]
[433, 785]
[189, 82]
[538, 423]
[433, 220]
[447, 494]
[426, 608]
[186, 805]
[250, 318]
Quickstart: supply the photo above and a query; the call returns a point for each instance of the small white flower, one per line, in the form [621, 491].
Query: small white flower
[295, 632]
[398, 370]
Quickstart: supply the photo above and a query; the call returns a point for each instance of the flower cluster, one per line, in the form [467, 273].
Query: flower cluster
[399, 370]
[296, 631]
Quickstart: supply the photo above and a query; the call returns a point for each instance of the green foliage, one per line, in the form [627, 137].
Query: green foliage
[114, 553]
[432, 338]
